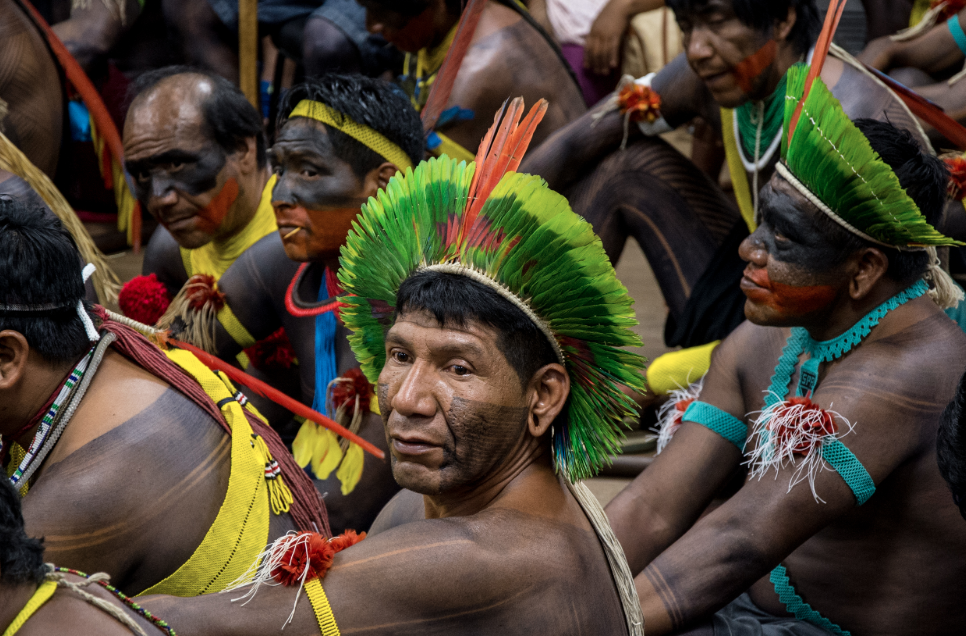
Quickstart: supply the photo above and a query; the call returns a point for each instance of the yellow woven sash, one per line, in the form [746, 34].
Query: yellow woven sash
[321, 607]
[239, 533]
[41, 596]
[739, 179]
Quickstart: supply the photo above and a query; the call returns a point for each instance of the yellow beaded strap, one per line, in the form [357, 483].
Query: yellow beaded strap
[321, 607]
[41, 596]
[363, 134]
[739, 179]
[17, 453]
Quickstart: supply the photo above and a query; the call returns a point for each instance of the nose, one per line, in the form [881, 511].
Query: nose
[163, 195]
[282, 195]
[699, 47]
[752, 250]
[414, 397]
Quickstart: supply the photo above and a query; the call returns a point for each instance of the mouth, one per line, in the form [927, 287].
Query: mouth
[715, 80]
[179, 223]
[412, 445]
[289, 231]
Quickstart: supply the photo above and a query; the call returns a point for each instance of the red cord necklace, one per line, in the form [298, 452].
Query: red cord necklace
[331, 286]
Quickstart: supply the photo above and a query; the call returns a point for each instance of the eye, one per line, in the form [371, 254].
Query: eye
[175, 166]
[142, 177]
[309, 173]
[400, 356]
[460, 370]
[780, 238]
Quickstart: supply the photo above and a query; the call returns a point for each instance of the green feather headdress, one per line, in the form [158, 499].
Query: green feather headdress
[842, 175]
[512, 233]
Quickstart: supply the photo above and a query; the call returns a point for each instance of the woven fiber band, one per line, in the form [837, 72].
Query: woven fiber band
[502, 290]
[714, 419]
[956, 30]
[808, 194]
[363, 134]
[850, 469]
[321, 607]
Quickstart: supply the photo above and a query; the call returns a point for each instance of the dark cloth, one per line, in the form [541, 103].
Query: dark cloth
[741, 617]
[270, 12]
[350, 18]
[716, 305]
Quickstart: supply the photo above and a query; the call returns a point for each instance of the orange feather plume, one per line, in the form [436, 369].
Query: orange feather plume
[822, 45]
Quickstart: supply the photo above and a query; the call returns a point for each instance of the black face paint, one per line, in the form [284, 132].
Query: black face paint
[793, 235]
[192, 173]
[309, 173]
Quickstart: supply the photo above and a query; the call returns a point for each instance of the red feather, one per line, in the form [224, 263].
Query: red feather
[446, 78]
[822, 45]
[266, 391]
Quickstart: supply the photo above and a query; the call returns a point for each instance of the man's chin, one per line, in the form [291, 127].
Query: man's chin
[190, 238]
[765, 316]
[730, 98]
[416, 477]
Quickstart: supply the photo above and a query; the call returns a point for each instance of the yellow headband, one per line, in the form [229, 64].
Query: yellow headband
[363, 134]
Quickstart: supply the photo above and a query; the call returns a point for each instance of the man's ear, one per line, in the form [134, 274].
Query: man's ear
[783, 28]
[871, 264]
[248, 156]
[378, 178]
[13, 358]
[549, 389]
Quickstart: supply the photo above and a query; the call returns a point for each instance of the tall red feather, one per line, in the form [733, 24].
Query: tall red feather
[446, 78]
[822, 45]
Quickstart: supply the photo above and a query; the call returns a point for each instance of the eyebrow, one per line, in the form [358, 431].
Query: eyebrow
[444, 349]
[168, 156]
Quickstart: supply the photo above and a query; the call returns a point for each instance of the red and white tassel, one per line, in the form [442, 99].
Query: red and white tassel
[793, 433]
[670, 414]
[293, 559]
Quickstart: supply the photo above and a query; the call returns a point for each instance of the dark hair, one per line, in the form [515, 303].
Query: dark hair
[40, 265]
[924, 178]
[374, 103]
[21, 558]
[229, 119]
[762, 15]
[951, 446]
[456, 300]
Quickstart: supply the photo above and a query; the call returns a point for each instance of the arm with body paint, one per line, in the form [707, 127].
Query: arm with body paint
[665, 500]
[891, 394]
[573, 151]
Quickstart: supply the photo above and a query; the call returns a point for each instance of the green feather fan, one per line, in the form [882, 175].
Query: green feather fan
[528, 239]
[834, 160]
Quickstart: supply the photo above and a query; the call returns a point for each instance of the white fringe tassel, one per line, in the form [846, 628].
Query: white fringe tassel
[669, 415]
[765, 455]
[260, 572]
[943, 291]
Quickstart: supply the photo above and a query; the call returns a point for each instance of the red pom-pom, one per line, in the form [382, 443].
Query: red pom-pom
[956, 187]
[810, 423]
[144, 298]
[312, 551]
[642, 103]
[344, 393]
[272, 353]
[200, 291]
[952, 8]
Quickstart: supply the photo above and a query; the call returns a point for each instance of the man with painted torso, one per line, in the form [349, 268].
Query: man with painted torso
[842, 524]
[508, 56]
[735, 60]
[489, 416]
[340, 140]
[127, 463]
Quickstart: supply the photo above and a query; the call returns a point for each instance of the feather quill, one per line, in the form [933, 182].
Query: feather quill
[822, 45]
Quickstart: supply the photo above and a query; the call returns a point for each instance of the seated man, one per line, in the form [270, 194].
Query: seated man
[340, 139]
[495, 406]
[732, 75]
[195, 150]
[509, 55]
[131, 462]
[837, 294]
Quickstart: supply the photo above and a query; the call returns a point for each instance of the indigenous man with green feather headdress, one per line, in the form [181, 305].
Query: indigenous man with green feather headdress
[829, 397]
[490, 317]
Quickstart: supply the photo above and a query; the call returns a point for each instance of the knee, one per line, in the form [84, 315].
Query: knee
[326, 48]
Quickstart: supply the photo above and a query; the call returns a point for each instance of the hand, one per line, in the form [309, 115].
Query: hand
[602, 51]
[878, 54]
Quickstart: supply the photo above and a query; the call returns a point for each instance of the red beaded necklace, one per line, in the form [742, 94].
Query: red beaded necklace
[331, 285]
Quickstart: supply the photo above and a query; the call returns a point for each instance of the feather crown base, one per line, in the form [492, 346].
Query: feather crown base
[510, 232]
[828, 155]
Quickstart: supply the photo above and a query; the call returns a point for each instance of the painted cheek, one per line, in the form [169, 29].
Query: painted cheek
[329, 228]
[748, 70]
[213, 215]
[787, 300]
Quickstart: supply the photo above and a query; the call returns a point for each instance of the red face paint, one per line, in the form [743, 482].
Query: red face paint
[416, 34]
[786, 300]
[323, 231]
[213, 215]
[748, 69]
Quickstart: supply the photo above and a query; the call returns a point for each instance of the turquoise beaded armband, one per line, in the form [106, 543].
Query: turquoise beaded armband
[724, 424]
